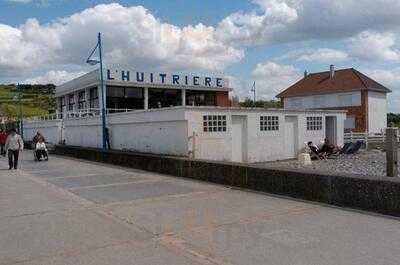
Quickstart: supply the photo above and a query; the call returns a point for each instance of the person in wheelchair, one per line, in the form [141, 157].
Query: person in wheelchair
[41, 150]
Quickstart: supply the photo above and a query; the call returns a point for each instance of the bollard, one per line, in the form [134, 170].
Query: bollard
[391, 152]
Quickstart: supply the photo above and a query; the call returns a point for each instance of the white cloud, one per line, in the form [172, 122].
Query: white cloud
[324, 55]
[321, 55]
[279, 21]
[53, 77]
[131, 36]
[272, 78]
[253, 28]
[374, 46]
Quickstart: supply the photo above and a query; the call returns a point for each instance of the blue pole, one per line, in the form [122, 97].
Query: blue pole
[103, 95]
[21, 125]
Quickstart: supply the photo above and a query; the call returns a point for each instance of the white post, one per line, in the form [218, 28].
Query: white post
[366, 140]
[183, 97]
[351, 136]
[146, 98]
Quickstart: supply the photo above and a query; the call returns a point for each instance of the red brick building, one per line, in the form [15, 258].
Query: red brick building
[345, 89]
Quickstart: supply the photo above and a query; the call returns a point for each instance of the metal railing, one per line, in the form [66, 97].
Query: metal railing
[85, 113]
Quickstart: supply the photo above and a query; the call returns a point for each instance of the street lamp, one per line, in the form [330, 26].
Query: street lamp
[91, 61]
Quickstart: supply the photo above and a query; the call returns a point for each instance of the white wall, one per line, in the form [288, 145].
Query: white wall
[170, 131]
[261, 145]
[377, 111]
[51, 130]
[154, 131]
[324, 101]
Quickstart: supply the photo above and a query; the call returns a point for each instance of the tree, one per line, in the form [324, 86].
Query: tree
[248, 103]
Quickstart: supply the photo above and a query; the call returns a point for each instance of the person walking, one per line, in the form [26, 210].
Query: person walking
[14, 144]
[3, 137]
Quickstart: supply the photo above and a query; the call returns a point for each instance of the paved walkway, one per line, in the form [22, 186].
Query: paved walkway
[70, 212]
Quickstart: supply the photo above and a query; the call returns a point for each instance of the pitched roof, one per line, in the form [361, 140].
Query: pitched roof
[344, 80]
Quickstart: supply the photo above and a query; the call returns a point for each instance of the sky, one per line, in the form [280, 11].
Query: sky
[271, 42]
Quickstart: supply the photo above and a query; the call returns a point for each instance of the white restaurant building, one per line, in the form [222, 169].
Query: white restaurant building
[191, 118]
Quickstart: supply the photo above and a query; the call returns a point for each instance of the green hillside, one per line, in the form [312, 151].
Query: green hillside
[33, 100]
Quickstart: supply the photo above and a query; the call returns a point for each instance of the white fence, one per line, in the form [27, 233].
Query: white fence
[366, 137]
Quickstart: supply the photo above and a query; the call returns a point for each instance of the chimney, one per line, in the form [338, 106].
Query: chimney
[305, 74]
[331, 71]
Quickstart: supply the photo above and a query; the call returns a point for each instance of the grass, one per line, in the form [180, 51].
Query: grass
[32, 103]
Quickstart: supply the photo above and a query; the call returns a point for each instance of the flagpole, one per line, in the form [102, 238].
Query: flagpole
[103, 95]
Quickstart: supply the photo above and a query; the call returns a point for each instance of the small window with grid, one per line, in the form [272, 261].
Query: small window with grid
[269, 123]
[214, 123]
[314, 123]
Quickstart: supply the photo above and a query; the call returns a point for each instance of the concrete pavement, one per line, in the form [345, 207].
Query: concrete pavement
[67, 211]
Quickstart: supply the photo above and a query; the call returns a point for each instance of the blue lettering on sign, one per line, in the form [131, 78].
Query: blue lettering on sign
[151, 78]
[109, 77]
[196, 80]
[139, 78]
[125, 76]
[175, 79]
[163, 78]
[186, 80]
[207, 81]
[219, 82]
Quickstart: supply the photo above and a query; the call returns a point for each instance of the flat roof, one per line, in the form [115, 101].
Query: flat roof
[150, 80]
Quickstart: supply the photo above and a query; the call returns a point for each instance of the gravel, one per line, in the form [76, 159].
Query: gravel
[372, 163]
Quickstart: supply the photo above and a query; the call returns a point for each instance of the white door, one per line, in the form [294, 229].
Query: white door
[290, 136]
[238, 138]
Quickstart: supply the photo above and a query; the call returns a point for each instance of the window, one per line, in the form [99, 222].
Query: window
[269, 123]
[61, 103]
[71, 102]
[314, 123]
[200, 98]
[82, 100]
[214, 123]
[93, 98]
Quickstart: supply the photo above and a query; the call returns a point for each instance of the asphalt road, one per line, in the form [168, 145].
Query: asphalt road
[71, 212]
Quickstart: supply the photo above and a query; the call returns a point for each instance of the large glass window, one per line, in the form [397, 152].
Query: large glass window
[71, 102]
[124, 98]
[163, 98]
[61, 103]
[93, 98]
[200, 98]
[82, 100]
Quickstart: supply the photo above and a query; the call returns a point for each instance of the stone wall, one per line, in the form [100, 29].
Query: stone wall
[380, 195]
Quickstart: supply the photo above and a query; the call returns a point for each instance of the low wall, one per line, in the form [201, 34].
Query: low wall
[381, 195]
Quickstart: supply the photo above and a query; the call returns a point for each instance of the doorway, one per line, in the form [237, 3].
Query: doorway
[239, 138]
[291, 135]
[330, 129]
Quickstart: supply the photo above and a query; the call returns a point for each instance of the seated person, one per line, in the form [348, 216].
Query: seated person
[327, 148]
[315, 152]
[41, 150]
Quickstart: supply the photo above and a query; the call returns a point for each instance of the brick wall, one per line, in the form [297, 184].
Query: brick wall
[222, 99]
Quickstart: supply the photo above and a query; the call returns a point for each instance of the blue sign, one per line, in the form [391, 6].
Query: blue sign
[166, 79]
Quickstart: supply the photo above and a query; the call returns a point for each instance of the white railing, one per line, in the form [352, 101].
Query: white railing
[85, 113]
[366, 137]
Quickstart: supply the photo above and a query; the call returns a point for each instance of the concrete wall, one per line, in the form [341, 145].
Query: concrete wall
[375, 194]
[347, 99]
[51, 130]
[377, 112]
[154, 131]
[259, 145]
[180, 131]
